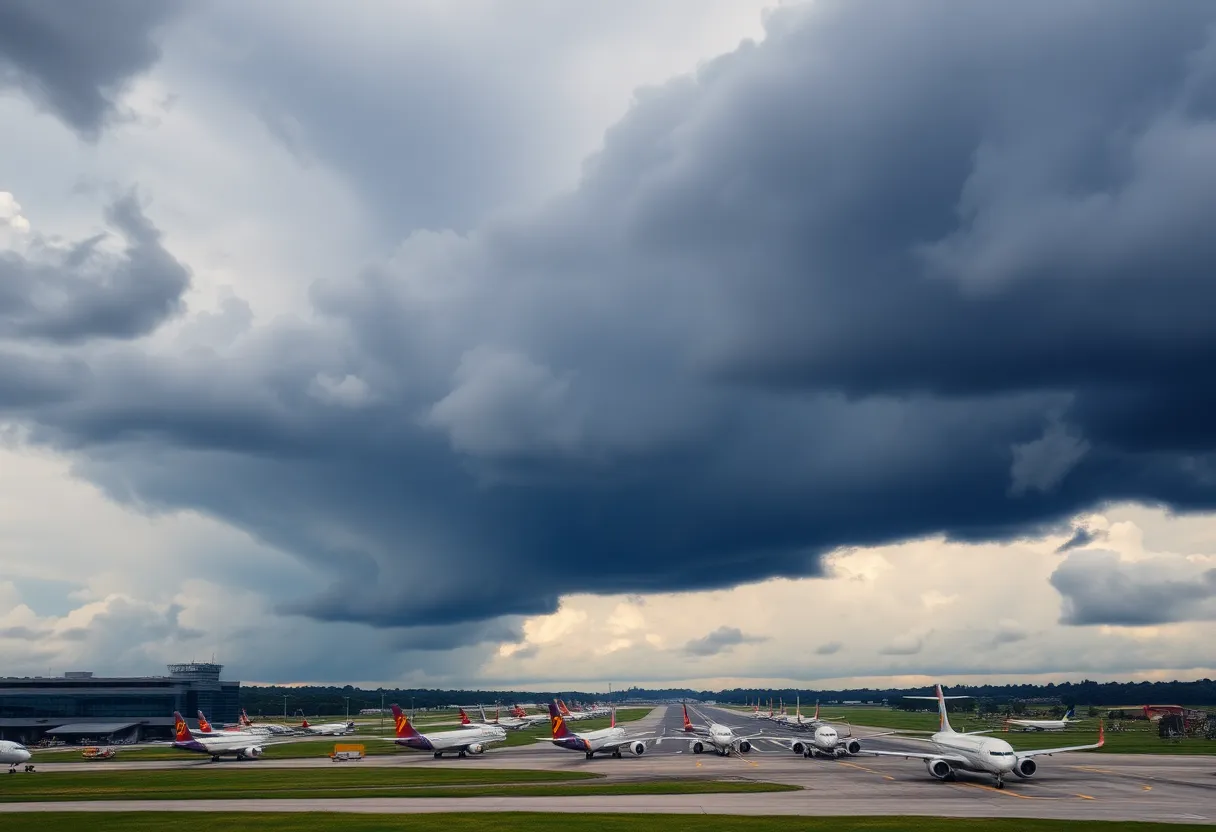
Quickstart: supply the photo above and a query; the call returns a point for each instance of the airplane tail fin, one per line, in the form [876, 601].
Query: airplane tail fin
[944, 721]
[204, 727]
[402, 722]
[1070, 715]
[305, 724]
[245, 720]
[612, 724]
[687, 721]
[181, 731]
[816, 710]
[464, 718]
[561, 707]
[557, 723]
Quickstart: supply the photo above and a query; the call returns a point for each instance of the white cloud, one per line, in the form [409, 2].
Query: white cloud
[10, 214]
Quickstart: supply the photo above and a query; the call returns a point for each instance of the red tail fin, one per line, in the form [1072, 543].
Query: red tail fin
[464, 718]
[557, 723]
[181, 731]
[687, 721]
[561, 706]
[204, 726]
[244, 720]
[612, 724]
[404, 729]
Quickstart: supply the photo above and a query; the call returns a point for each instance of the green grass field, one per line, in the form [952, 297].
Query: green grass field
[1138, 736]
[543, 822]
[215, 784]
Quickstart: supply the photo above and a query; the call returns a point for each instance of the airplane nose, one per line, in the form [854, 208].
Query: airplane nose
[25, 757]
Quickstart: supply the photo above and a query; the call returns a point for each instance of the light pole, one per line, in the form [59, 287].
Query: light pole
[382, 711]
[284, 707]
[347, 698]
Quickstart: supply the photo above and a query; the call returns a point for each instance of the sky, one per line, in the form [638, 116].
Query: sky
[544, 345]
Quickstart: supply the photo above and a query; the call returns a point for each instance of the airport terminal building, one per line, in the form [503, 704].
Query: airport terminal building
[80, 707]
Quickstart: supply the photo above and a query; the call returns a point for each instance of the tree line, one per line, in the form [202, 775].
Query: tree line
[313, 700]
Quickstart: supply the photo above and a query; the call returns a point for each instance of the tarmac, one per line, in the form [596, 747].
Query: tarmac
[1077, 786]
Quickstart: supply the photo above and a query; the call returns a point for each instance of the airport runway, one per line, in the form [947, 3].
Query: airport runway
[1073, 786]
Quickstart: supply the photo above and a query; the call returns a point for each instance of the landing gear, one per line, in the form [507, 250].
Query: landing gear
[1000, 782]
[215, 758]
[462, 755]
[438, 754]
[616, 754]
[590, 754]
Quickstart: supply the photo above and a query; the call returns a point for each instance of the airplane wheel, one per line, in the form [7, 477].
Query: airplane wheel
[589, 755]
[462, 755]
[616, 754]
[438, 754]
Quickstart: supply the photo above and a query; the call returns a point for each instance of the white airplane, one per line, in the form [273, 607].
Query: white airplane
[260, 727]
[14, 754]
[207, 729]
[464, 741]
[518, 712]
[569, 715]
[1046, 724]
[509, 722]
[718, 738]
[611, 739]
[329, 729]
[243, 746]
[984, 755]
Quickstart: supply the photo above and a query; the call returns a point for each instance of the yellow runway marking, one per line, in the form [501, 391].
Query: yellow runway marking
[1091, 768]
[1148, 788]
[1084, 797]
[863, 768]
[1003, 791]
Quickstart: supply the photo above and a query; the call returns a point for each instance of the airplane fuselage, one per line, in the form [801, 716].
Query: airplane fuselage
[221, 745]
[464, 740]
[13, 753]
[983, 755]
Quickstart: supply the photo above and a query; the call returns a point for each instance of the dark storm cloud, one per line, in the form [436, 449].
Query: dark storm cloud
[74, 59]
[77, 292]
[720, 641]
[1081, 538]
[896, 271]
[1098, 588]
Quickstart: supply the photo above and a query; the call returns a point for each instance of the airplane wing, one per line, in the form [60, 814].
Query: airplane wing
[1040, 752]
[624, 741]
[915, 755]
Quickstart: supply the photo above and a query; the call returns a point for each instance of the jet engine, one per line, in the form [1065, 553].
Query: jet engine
[697, 747]
[1025, 768]
[939, 768]
[798, 748]
[638, 748]
[475, 748]
[853, 747]
[745, 747]
[253, 751]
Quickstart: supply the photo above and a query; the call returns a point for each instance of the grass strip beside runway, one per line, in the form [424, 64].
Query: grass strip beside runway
[566, 822]
[304, 784]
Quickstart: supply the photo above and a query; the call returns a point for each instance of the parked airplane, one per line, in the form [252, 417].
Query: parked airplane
[243, 746]
[611, 739]
[205, 727]
[985, 755]
[531, 719]
[14, 754]
[464, 741]
[334, 729]
[260, 727]
[718, 738]
[569, 715]
[1046, 724]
